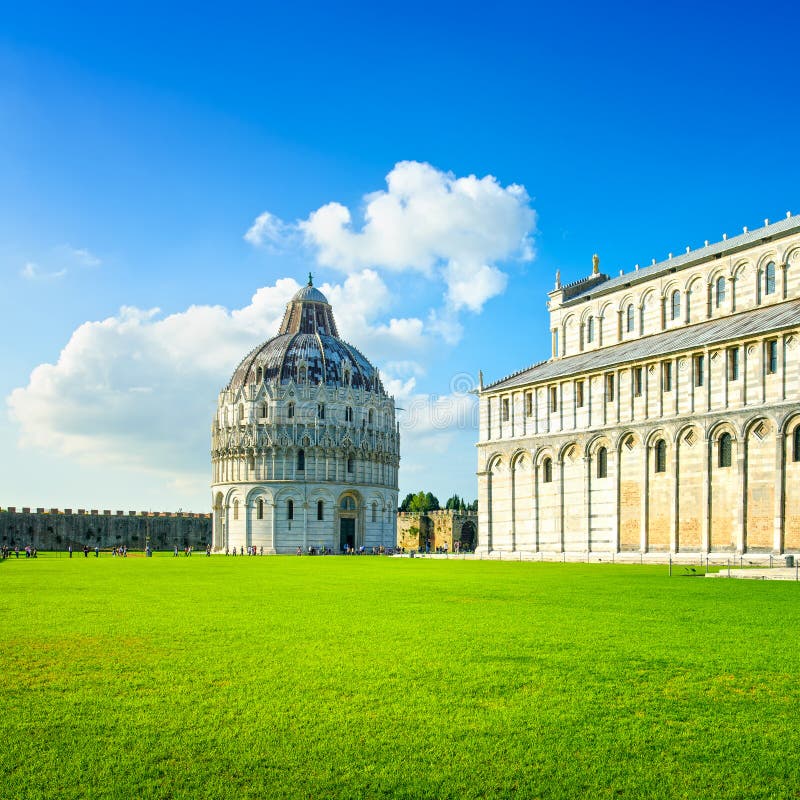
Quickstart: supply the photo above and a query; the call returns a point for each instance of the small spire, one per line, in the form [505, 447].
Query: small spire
[595, 264]
[310, 280]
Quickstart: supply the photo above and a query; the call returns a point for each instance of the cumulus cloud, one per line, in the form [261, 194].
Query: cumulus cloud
[268, 230]
[457, 230]
[138, 389]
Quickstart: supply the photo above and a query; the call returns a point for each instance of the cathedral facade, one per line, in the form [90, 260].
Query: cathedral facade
[668, 416]
[305, 446]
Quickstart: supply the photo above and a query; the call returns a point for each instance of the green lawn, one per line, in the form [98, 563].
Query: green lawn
[374, 677]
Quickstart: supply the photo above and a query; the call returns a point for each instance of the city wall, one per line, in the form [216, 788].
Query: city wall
[56, 529]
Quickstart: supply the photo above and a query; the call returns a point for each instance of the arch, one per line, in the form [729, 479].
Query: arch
[565, 451]
[468, 536]
[626, 438]
[347, 502]
[547, 469]
[630, 318]
[690, 282]
[290, 509]
[625, 302]
[320, 509]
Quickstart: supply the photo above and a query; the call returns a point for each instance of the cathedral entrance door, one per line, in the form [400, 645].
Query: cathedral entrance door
[347, 533]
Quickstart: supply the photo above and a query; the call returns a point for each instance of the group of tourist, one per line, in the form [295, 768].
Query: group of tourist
[5, 551]
[252, 550]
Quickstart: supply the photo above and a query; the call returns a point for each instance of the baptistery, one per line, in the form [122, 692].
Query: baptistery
[305, 446]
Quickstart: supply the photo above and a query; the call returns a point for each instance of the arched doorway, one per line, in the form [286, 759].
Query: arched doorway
[468, 535]
[348, 527]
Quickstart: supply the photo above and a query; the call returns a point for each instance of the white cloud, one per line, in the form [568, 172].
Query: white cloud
[33, 272]
[457, 230]
[80, 255]
[59, 261]
[138, 389]
[268, 230]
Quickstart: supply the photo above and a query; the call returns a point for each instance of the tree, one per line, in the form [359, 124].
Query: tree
[433, 502]
[420, 503]
[406, 504]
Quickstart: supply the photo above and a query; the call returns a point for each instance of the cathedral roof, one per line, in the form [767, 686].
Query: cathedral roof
[660, 345]
[307, 340]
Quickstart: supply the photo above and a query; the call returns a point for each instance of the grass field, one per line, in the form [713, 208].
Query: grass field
[374, 677]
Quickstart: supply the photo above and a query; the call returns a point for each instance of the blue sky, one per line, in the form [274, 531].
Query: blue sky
[136, 151]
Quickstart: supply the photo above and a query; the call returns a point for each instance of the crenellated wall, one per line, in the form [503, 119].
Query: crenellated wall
[54, 529]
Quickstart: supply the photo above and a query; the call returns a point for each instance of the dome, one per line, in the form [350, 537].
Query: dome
[307, 349]
[311, 294]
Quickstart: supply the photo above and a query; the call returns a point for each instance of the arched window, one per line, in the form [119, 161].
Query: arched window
[371, 417]
[348, 414]
[676, 304]
[241, 412]
[320, 509]
[350, 464]
[590, 329]
[796, 442]
[321, 410]
[260, 508]
[262, 411]
[547, 470]
[661, 456]
[290, 509]
[630, 318]
[769, 278]
[347, 504]
[290, 410]
[725, 450]
[602, 463]
[301, 460]
[374, 512]
[720, 291]
[236, 509]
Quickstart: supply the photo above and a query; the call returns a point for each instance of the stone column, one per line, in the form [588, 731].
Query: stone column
[273, 514]
[705, 522]
[780, 491]
[535, 502]
[675, 487]
[740, 531]
[643, 543]
[587, 501]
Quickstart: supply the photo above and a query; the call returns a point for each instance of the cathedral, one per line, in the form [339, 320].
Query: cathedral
[667, 418]
[305, 447]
